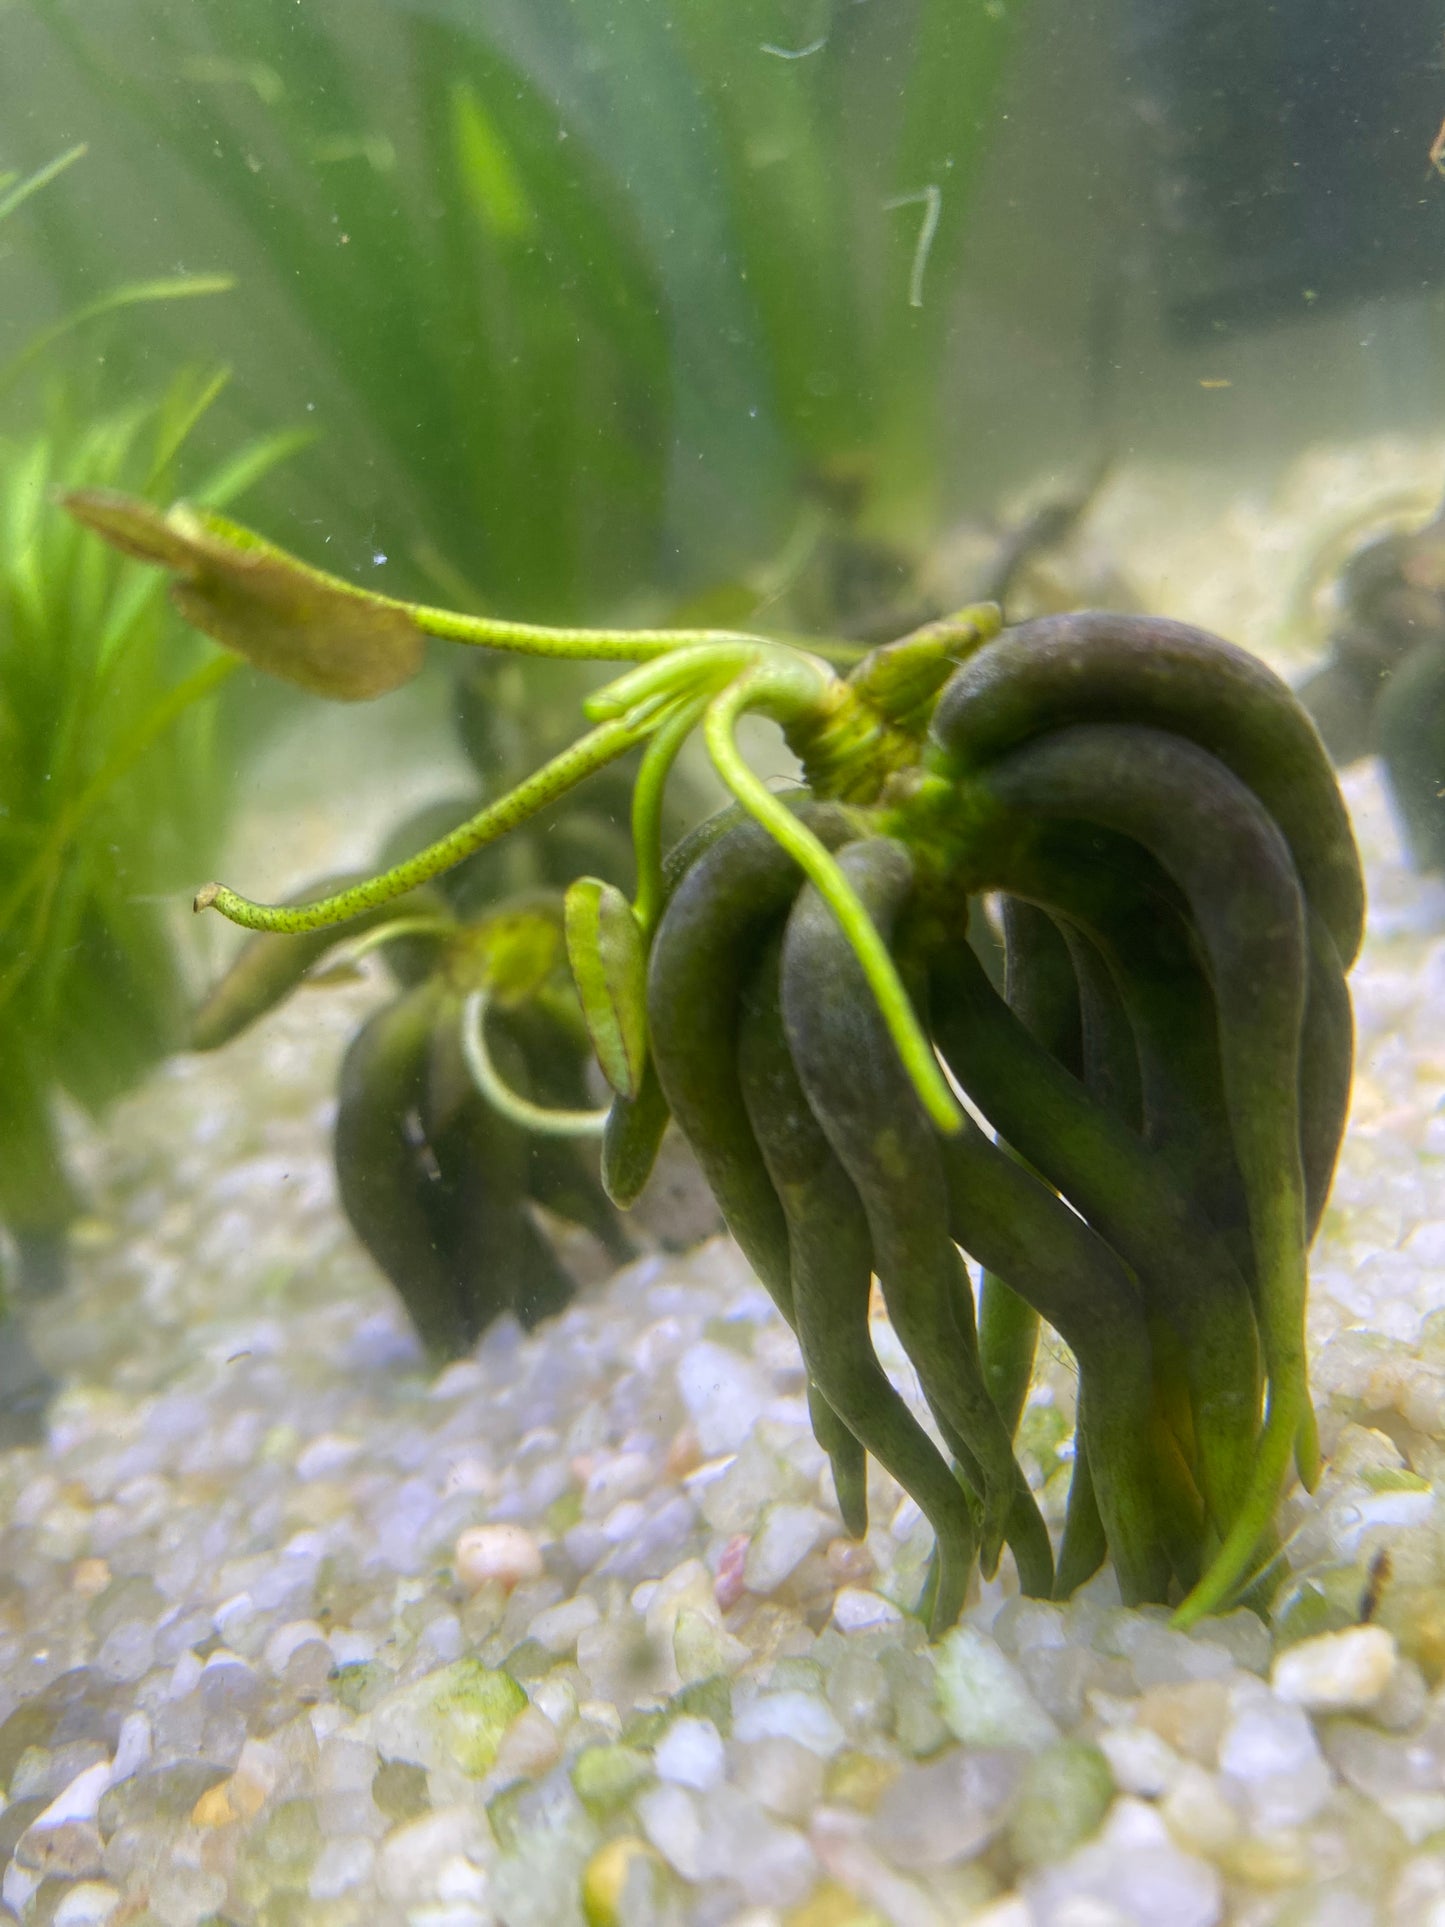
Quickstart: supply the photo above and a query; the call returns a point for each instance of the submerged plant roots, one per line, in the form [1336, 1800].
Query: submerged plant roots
[1165, 1074]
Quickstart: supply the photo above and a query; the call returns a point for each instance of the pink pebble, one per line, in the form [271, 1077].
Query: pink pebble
[728, 1588]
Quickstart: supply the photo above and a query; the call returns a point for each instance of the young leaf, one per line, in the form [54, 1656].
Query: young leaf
[609, 964]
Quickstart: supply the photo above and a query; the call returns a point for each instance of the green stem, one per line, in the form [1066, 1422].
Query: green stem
[589, 754]
[759, 690]
[576, 645]
[647, 799]
[500, 1095]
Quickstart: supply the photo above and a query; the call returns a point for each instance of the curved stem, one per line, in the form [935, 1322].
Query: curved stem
[914, 1049]
[692, 671]
[647, 799]
[500, 1095]
[585, 757]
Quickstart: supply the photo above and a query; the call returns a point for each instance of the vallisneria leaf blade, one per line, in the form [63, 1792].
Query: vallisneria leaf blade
[608, 955]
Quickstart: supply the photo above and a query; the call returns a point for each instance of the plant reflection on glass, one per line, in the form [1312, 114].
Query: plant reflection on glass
[1167, 1072]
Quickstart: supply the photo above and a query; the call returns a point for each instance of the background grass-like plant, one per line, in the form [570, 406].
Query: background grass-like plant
[112, 781]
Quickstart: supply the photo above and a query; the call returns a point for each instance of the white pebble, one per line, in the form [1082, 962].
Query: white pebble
[1132, 1872]
[724, 1394]
[80, 1800]
[133, 1747]
[671, 1821]
[1269, 1750]
[690, 1753]
[343, 1863]
[984, 1697]
[787, 1534]
[412, 1857]
[791, 1716]
[288, 1639]
[857, 1611]
[326, 1455]
[506, 1555]
[1139, 1760]
[90, 1904]
[1198, 1816]
[1337, 1671]
[559, 1627]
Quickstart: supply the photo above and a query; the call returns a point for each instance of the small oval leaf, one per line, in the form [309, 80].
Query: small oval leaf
[608, 955]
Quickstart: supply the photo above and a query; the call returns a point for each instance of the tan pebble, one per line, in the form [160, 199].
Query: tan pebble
[1199, 1817]
[684, 1455]
[248, 1795]
[1337, 1671]
[605, 1878]
[1276, 1860]
[1417, 1618]
[504, 1555]
[214, 1808]
[1190, 1718]
[859, 1780]
[68, 1850]
[90, 1577]
[239, 1798]
[849, 1562]
[530, 1747]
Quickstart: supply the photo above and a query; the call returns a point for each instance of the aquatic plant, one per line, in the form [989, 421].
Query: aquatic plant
[110, 785]
[463, 1099]
[1382, 689]
[108, 780]
[1167, 1073]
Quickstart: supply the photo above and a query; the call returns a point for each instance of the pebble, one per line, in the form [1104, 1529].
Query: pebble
[791, 1716]
[90, 1903]
[983, 1697]
[1139, 1760]
[724, 1394]
[787, 1534]
[1134, 1874]
[858, 1611]
[949, 1809]
[503, 1555]
[1269, 1751]
[1337, 1672]
[690, 1753]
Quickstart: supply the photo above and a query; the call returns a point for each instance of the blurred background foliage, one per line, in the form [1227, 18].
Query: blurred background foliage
[583, 295]
[114, 768]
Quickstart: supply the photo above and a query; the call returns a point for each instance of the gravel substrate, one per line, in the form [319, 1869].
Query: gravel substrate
[290, 1633]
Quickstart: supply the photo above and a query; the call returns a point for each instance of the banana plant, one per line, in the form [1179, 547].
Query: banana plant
[1165, 1074]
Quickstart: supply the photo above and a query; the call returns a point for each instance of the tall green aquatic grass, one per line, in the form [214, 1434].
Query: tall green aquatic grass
[599, 287]
[112, 783]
